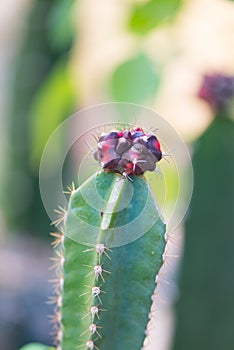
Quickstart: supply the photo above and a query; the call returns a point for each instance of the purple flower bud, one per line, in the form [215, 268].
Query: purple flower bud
[112, 135]
[154, 147]
[127, 135]
[137, 134]
[217, 90]
[130, 152]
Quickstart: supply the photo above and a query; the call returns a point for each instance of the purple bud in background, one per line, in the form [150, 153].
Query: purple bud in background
[218, 91]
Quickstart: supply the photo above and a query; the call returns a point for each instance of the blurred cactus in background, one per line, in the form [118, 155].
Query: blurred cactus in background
[205, 310]
[218, 91]
[40, 81]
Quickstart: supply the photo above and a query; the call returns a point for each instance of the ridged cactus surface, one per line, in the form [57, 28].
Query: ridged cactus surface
[107, 291]
[110, 249]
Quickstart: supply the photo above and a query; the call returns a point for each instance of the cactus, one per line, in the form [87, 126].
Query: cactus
[111, 250]
[205, 310]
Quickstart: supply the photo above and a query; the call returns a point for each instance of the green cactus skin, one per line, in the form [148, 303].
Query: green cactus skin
[205, 310]
[127, 280]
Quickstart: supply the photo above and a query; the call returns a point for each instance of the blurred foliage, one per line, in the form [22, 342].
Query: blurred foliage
[205, 310]
[135, 80]
[43, 96]
[51, 105]
[151, 14]
[61, 31]
[33, 72]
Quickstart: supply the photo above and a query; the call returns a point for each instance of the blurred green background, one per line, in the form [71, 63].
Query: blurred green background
[60, 56]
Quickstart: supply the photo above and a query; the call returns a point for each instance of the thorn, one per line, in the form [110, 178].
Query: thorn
[166, 255]
[59, 347]
[155, 297]
[96, 164]
[160, 280]
[158, 172]
[55, 330]
[55, 300]
[95, 137]
[98, 270]
[57, 282]
[58, 238]
[172, 256]
[89, 146]
[56, 318]
[125, 176]
[153, 131]
[100, 249]
[146, 332]
[166, 237]
[93, 310]
[54, 280]
[135, 161]
[164, 155]
[169, 238]
[56, 335]
[61, 216]
[89, 345]
[92, 330]
[70, 189]
[95, 293]
[59, 261]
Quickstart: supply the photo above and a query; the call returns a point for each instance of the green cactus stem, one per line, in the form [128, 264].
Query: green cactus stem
[205, 310]
[111, 253]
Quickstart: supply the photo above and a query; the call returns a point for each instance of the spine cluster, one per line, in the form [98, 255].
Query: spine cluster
[95, 295]
[94, 292]
[57, 264]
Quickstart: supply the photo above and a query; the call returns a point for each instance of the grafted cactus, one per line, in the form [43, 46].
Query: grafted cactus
[111, 249]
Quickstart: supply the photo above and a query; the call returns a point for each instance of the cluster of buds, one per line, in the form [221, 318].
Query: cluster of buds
[128, 152]
[218, 91]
